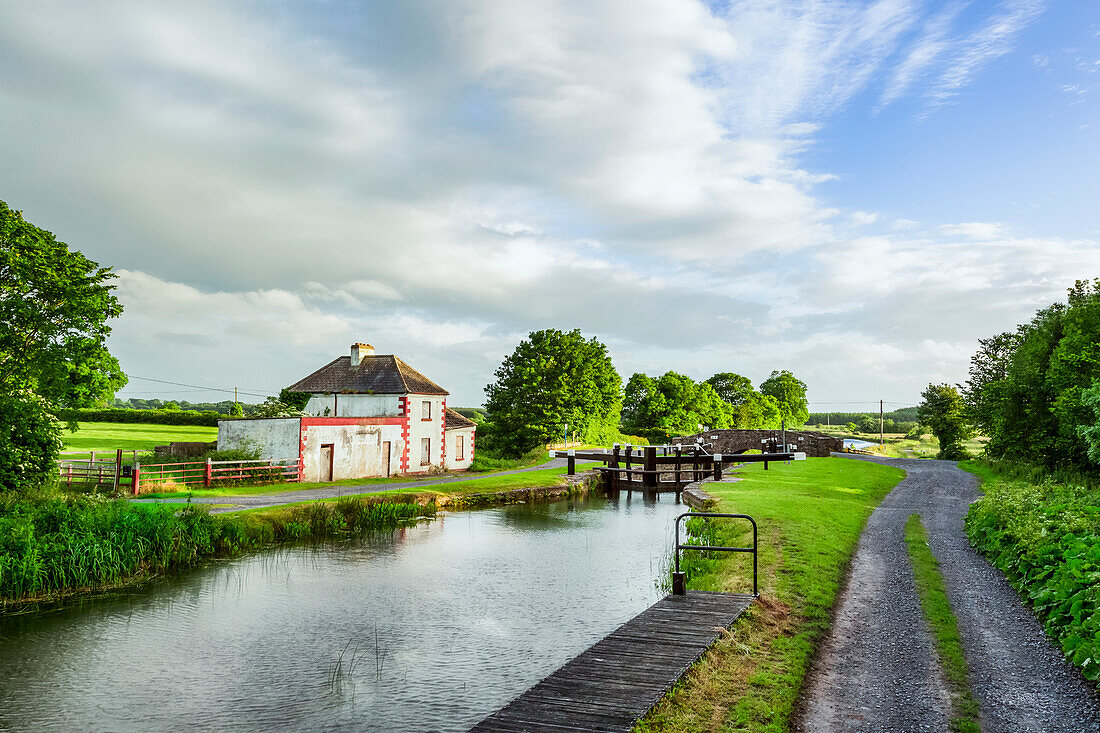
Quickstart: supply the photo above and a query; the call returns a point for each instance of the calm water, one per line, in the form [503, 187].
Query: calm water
[438, 625]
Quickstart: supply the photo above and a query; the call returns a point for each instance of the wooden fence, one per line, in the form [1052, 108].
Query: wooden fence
[213, 473]
[117, 474]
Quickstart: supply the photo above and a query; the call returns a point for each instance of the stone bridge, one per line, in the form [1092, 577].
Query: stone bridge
[813, 444]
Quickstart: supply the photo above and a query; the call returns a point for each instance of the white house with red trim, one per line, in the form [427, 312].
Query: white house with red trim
[368, 415]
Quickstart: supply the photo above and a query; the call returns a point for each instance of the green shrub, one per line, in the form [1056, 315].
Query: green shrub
[30, 440]
[207, 418]
[1045, 537]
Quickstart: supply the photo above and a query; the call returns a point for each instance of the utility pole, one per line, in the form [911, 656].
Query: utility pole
[880, 440]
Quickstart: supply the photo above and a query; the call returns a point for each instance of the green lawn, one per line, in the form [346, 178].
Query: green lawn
[810, 514]
[109, 436]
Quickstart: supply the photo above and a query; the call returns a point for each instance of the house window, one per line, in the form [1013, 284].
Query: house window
[458, 447]
[425, 451]
[426, 410]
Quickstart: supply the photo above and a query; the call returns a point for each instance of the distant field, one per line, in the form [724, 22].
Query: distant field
[132, 436]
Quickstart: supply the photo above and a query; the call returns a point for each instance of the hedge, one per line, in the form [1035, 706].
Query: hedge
[207, 418]
[1045, 537]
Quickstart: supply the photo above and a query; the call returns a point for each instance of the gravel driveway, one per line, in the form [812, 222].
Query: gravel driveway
[330, 492]
[876, 670]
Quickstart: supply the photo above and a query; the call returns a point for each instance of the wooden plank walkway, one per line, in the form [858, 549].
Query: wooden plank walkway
[619, 678]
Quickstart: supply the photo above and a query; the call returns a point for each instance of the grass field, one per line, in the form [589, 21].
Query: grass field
[109, 436]
[811, 514]
[898, 446]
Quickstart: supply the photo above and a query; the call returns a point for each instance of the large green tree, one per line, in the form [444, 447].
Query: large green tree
[553, 378]
[944, 412]
[673, 403]
[1030, 390]
[752, 410]
[54, 308]
[789, 393]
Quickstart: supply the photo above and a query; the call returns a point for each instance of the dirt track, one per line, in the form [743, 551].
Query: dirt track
[877, 672]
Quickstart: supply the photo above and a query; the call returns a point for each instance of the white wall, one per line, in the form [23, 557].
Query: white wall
[356, 450]
[353, 405]
[420, 429]
[277, 437]
[453, 464]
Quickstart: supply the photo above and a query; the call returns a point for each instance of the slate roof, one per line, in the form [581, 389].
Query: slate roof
[456, 420]
[377, 374]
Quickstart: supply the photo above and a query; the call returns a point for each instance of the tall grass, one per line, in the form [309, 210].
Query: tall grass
[51, 547]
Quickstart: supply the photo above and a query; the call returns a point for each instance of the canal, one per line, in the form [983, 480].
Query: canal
[427, 628]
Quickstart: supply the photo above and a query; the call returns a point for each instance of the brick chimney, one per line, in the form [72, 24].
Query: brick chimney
[359, 352]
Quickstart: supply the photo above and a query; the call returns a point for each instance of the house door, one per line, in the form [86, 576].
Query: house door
[326, 462]
[386, 458]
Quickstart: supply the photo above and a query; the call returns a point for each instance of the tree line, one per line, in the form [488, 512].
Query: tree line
[1033, 391]
[556, 381]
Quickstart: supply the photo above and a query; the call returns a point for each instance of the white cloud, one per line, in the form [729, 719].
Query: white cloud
[993, 40]
[973, 230]
[862, 218]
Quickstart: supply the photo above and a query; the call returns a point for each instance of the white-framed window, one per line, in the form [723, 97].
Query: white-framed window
[426, 410]
[425, 451]
[459, 447]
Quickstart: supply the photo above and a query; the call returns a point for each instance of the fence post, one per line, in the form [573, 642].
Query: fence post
[717, 466]
[677, 475]
[649, 478]
[137, 477]
[118, 469]
[206, 477]
[571, 460]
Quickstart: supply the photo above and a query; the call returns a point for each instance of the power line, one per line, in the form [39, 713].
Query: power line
[196, 386]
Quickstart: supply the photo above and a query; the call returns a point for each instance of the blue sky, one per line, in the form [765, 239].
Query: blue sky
[854, 190]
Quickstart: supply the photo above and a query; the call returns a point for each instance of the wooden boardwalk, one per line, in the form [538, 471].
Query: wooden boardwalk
[619, 678]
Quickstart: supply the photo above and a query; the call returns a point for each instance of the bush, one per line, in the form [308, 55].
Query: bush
[30, 440]
[1045, 537]
[206, 418]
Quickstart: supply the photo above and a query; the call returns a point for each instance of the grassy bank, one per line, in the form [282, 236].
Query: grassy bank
[54, 547]
[945, 629]
[810, 514]
[1044, 535]
[109, 436]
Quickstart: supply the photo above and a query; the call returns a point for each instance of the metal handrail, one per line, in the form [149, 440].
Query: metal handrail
[678, 580]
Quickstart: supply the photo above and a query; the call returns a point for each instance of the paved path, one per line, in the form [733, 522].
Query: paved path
[876, 670]
[330, 492]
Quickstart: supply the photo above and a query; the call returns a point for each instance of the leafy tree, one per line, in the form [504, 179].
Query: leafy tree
[553, 378]
[237, 410]
[54, 308]
[1091, 431]
[30, 440]
[868, 424]
[733, 388]
[297, 400]
[673, 403]
[983, 392]
[944, 412]
[757, 412]
[790, 397]
[272, 407]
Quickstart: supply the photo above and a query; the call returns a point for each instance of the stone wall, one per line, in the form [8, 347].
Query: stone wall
[813, 444]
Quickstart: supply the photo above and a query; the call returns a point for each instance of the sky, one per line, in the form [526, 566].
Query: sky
[854, 191]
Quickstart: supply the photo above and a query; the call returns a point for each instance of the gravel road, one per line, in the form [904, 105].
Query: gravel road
[330, 492]
[876, 670]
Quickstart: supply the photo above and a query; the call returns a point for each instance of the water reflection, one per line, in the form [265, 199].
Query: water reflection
[426, 628]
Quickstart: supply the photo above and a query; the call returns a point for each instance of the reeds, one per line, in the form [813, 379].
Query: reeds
[56, 546]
